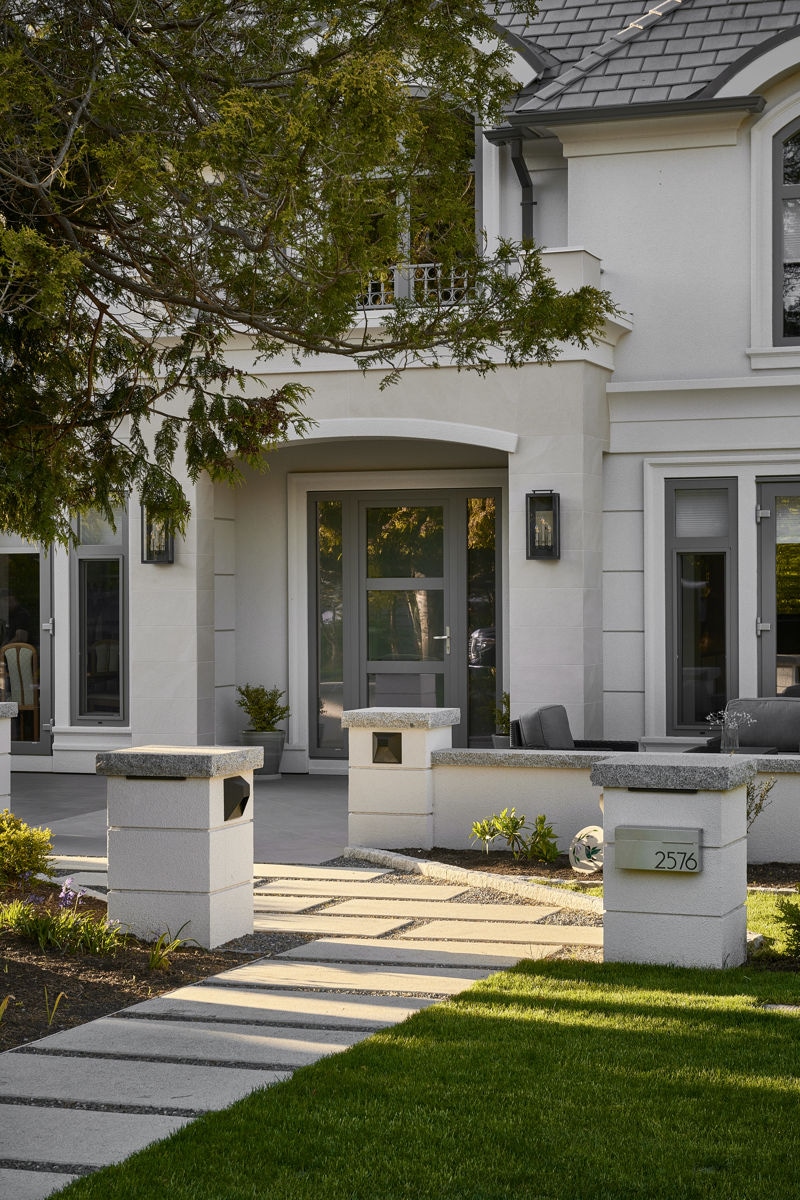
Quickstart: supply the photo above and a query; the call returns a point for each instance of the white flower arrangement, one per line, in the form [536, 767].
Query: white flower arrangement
[730, 720]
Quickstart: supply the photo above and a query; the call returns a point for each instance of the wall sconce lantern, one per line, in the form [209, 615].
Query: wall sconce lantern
[543, 525]
[158, 546]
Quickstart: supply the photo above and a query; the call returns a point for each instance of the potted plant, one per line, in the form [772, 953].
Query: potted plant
[501, 739]
[264, 710]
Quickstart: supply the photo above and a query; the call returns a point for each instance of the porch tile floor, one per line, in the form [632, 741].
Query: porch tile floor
[93, 1095]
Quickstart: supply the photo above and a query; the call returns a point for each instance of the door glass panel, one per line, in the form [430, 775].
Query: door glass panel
[702, 636]
[330, 626]
[787, 592]
[418, 690]
[405, 542]
[481, 619]
[95, 530]
[99, 639]
[20, 627]
[405, 626]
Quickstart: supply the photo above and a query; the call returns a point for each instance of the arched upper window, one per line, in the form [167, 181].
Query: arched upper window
[786, 240]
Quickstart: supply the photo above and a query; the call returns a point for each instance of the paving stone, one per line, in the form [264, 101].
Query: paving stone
[65, 863]
[288, 904]
[78, 1137]
[287, 871]
[430, 908]
[376, 891]
[115, 1081]
[515, 932]
[84, 879]
[278, 973]
[493, 955]
[260, 1045]
[321, 924]
[297, 1008]
[31, 1185]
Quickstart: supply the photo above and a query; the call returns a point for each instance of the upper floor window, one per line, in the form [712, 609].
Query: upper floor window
[787, 234]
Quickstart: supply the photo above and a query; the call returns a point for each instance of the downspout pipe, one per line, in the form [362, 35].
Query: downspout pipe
[526, 183]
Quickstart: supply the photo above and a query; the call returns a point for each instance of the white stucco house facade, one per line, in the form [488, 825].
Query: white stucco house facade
[654, 152]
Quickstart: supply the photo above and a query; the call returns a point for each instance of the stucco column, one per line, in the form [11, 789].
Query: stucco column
[180, 840]
[390, 780]
[675, 863]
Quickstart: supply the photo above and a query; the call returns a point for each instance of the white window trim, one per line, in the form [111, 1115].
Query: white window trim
[763, 354]
[748, 471]
[298, 486]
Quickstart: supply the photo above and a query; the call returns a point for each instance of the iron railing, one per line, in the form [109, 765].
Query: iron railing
[416, 281]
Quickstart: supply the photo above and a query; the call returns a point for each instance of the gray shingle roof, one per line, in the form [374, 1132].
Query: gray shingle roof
[611, 53]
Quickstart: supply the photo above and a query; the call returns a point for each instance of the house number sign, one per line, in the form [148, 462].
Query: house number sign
[652, 848]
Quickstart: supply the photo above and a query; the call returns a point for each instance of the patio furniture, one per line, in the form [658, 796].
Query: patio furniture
[547, 728]
[22, 668]
[774, 726]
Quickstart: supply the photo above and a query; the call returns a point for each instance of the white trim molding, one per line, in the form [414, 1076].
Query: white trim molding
[765, 69]
[419, 429]
[763, 354]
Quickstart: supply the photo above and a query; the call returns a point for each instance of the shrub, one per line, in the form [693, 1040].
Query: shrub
[541, 845]
[66, 929]
[262, 706]
[23, 851]
[789, 918]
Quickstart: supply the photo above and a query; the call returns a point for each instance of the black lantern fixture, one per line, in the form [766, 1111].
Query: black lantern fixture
[543, 525]
[158, 546]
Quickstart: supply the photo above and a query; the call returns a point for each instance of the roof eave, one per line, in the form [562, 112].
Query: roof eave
[535, 123]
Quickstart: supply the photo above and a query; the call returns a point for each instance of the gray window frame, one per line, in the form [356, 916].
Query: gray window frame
[780, 191]
[116, 551]
[674, 546]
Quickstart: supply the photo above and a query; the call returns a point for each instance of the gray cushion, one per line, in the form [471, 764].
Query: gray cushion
[546, 729]
[776, 722]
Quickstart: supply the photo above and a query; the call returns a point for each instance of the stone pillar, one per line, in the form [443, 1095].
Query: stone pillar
[8, 710]
[390, 784]
[180, 840]
[671, 904]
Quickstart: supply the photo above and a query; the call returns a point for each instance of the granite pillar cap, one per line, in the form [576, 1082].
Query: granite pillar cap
[674, 772]
[8, 709]
[400, 718]
[179, 762]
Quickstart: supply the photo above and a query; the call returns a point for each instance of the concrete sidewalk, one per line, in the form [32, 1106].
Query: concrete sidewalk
[296, 819]
[385, 947]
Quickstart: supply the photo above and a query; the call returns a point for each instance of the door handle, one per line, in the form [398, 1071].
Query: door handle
[443, 637]
[763, 627]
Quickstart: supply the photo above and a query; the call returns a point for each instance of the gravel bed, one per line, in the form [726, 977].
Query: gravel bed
[267, 945]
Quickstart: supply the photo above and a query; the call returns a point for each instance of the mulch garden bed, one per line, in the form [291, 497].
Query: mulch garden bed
[502, 862]
[93, 985]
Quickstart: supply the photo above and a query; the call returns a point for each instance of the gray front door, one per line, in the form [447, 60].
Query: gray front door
[404, 612]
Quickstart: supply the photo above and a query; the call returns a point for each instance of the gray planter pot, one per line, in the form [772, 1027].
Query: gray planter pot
[501, 741]
[272, 742]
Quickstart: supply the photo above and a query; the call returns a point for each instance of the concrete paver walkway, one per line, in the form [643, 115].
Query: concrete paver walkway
[92, 1095]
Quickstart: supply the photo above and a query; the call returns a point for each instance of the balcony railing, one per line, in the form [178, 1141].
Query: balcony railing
[416, 281]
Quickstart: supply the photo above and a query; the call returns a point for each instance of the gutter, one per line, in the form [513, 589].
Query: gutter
[528, 123]
[526, 183]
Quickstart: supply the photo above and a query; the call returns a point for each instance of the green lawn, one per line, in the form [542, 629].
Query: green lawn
[554, 1081]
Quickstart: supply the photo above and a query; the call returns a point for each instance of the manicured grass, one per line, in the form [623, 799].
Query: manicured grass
[762, 917]
[554, 1081]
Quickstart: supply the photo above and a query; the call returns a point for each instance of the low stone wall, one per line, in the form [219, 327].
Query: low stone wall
[417, 792]
[471, 784]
